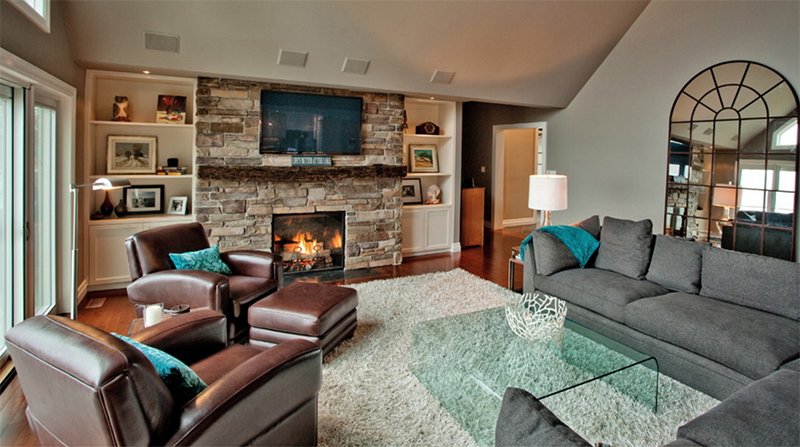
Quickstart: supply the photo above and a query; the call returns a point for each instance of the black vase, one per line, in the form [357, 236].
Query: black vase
[121, 210]
[107, 207]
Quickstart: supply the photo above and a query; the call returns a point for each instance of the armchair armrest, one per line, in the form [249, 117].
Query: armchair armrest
[189, 337]
[172, 287]
[284, 377]
[529, 269]
[254, 263]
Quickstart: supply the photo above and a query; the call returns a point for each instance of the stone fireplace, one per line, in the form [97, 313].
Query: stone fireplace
[309, 241]
[240, 192]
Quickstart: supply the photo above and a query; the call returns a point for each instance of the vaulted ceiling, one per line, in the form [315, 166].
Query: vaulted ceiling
[533, 53]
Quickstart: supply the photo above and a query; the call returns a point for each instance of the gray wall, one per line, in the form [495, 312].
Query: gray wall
[611, 140]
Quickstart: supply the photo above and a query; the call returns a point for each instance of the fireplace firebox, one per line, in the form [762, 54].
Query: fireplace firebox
[309, 242]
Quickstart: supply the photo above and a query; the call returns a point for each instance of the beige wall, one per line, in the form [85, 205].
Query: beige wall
[520, 162]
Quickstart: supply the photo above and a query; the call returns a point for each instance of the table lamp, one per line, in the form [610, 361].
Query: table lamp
[101, 184]
[547, 193]
[724, 196]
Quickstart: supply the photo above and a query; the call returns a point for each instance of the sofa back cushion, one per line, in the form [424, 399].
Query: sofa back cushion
[676, 264]
[759, 282]
[625, 246]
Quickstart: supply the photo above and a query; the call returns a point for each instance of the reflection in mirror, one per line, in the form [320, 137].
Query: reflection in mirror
[732, 165]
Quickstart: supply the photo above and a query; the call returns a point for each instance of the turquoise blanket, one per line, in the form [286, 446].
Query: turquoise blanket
[578, 241]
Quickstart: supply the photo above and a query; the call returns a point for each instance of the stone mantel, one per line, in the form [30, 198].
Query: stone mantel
[298, 173]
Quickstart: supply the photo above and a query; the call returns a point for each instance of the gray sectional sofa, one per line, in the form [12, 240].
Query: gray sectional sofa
[723, 322]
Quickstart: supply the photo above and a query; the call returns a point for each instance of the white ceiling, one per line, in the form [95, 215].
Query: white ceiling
[534, 53]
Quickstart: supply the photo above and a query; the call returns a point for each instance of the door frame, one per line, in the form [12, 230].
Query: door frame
[498, 166]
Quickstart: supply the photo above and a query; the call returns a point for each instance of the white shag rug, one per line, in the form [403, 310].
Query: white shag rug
[370, 397]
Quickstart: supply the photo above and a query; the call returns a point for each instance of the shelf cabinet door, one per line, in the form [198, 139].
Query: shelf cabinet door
[108, 261]
[439, 228]
[414, 235]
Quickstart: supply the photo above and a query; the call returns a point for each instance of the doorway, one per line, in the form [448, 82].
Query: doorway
[518, 152]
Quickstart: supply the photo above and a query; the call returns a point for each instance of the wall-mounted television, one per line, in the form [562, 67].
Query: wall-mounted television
[295, 123]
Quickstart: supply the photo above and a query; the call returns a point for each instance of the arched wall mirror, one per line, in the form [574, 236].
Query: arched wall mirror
[732, 166]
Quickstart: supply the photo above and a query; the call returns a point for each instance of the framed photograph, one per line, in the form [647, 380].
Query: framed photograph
[144, 199]
[177, 205]
[171, 109]
[131, 154]
[412, 191]
[423, 158]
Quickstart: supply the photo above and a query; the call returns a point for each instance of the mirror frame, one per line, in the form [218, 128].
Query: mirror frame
[722, 142]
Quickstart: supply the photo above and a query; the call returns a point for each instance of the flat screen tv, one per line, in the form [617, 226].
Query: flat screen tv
[296, 123]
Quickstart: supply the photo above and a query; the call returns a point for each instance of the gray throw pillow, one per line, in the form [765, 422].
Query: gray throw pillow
[550, 254]
[676, 264]
[625, 247]
[524, 421]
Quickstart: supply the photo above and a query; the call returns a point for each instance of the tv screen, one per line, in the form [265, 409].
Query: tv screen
[303, 123]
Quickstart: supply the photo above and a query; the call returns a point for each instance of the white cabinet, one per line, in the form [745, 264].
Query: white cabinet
[102, 250]
[430, 228]
[108, 260]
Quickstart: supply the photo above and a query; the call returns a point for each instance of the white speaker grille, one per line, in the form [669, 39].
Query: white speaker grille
[442, 77]
[355, 66]
[292, 58]
[162, 42]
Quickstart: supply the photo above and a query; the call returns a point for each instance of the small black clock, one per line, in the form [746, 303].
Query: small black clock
[428, 128]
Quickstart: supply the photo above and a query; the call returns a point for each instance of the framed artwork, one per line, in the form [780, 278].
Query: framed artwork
[177, 205]
[131, 154]
[412, 191]
[423, 158]
[144, 199]
[171, 109]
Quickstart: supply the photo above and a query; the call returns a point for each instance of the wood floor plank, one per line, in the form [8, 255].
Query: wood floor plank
[489, 262]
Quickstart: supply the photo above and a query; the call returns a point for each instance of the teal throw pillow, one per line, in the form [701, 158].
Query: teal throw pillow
[580, 242]
[207, 260]
[181, 381]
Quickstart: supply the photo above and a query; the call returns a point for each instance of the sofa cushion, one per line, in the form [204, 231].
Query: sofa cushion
[625, 246]
[764, 413]
[749, 341]
[602, 291]
[550, 254]
[794, 365]
[590, 224]
[676, 264]
[754, 281]
[524, 421]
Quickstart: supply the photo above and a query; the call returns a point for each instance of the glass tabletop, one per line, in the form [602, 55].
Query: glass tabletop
[467, 361]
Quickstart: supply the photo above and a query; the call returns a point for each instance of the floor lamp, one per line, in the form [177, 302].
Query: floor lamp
[101, 184]
[547, 193]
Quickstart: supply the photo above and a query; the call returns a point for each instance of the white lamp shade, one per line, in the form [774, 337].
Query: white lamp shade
[724, 195]
[547, 192]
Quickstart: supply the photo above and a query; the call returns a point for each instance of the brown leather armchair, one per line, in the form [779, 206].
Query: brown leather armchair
[155, 280]
[84, 386]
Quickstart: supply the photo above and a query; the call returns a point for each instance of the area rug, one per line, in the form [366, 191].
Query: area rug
[369, 395]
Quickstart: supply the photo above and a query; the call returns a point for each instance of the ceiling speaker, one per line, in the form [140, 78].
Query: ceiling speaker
[442, 77]
[162, 42]
[292, 58]
[355, 66]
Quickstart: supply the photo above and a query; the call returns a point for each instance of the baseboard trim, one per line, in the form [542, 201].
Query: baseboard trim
[456, 247]
[519, 222]
[81, 292]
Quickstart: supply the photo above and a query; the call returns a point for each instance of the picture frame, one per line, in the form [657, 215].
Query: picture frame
[171, 109]
[411, 191]
[131, 154]
[423, 158]
[177, 205]
[144, 199]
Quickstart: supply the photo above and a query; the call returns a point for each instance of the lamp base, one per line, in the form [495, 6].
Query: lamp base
[546, 218]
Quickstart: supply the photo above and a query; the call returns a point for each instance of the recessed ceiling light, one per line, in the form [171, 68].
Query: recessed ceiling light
[433, 97]
[147, 72]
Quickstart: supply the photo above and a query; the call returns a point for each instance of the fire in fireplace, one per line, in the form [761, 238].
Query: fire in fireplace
[309, 242]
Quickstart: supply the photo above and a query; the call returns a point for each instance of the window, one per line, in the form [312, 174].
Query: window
[785, 137]
[38, 11]
[36, 150]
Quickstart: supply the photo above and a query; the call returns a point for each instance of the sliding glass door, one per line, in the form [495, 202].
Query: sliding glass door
[42, 212]
[6, 260]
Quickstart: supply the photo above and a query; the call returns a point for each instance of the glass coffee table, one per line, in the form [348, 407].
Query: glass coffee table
[467, 362]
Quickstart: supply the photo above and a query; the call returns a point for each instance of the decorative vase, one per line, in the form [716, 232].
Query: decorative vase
[107, 207]
[121, 210]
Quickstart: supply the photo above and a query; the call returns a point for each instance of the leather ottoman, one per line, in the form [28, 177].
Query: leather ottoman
[324, 314]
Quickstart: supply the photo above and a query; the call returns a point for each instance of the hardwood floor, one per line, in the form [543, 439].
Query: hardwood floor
[489, 262]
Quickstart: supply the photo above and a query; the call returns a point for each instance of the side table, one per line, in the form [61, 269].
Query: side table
[513, 261]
